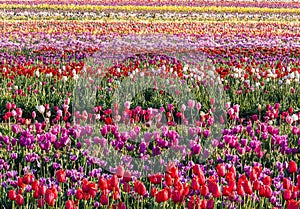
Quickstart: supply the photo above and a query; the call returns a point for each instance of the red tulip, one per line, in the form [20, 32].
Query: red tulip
[61, 175]
[292, 168]
[287, 194]
[121, 205]
[201, 178]
[162, 196]
[155, 179]
[194, 203]
[293, 204]
[248, 187]
[114, 181]
[204, 190]
[210, 204]
[196, 169]
[126, 187]
[153, 191]
[104, 199]
[286, 183]
[50, 197]
[41, 203]
[36, 194]
[102, 183]
[186, 189]
[195, 184]
[79, 194]
[12, 194]
[8, 105]
[233, 171]
[173, 171]
[232, 185]
[27, 178]
[35, 185]
[70, 204]
[42, 190]
[221, 170]
[21, 183]
[230, 176]
[19, 199]
[85, 186]
[268, 191]
[168, 179]
[227, 191]
[140, 188]
[54, 191]
[203, 204]
[267, 180]
[93, 189]
[127, 176]
[240, 190]
[214, 189]
[176, 196]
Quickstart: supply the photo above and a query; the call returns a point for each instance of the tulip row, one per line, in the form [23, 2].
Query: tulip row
[240, 3]
[152, 8]
[106, 15]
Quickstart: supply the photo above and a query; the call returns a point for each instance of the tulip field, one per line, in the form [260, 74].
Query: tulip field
[149, 104]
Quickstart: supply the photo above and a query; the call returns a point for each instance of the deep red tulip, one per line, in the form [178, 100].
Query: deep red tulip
[12, 195]
[126, 187]
[204, 190]
[153, 191]
[36, 194]
[268, 191]
[114, 181]
[104, 199]
[287, 194]
[19, 200]
[127, 176]
[286, 183]
[70, 204]
[27, 178]
[293, 204]
[162, 196]
[256, 185]
[195, 184]
[173, 171]
[196, 169]
[42, 190]
[93, 189]
[41, 203]
[210, 204]
[155, 179]
[102, 183]
[240, 190]
[292, 168]
[50, 197]
[194, 203]
[221, 170]
[139, 188]
[168, 179]
[176, 196]
[79, 194]
[203, 204]
[267, 180]
[121, 205]
[61, 175]
[35, 185]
